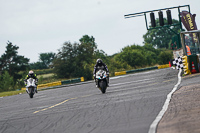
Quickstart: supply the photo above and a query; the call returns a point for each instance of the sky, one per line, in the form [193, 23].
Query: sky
[42, 26]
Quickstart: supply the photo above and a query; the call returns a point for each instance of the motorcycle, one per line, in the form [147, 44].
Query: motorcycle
[101, 79]
[31, 87]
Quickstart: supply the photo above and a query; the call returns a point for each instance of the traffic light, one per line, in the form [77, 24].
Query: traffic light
[153, 21]
[169, 17]
[161, 20]
[186, 65]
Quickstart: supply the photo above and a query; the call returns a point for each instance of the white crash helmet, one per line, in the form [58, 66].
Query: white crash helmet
[31, 72]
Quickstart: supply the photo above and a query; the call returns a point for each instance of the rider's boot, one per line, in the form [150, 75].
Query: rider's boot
[36, 90]
[95, 81]
[108, 81]
[36, 87]
[96, 84]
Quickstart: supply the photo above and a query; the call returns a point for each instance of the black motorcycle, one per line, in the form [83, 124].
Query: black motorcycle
[101, 79]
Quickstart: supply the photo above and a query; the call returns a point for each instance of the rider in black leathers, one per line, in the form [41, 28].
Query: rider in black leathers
[100, 66]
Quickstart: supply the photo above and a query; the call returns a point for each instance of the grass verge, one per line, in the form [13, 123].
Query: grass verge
[46, 75]
[10, 93]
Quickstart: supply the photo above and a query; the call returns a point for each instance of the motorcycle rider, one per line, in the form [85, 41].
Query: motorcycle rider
[100, 66]
[32, 75]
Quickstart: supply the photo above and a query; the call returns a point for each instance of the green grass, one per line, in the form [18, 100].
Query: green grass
[10, 93]
[46, 75]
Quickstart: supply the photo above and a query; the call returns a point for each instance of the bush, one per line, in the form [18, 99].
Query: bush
[6, 83]
[43, 71]
[164, 57]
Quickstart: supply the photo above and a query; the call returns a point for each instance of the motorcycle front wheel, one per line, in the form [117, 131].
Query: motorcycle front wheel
[102, 85]
[31, 92]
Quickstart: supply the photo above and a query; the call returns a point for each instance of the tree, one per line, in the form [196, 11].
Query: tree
[86, 56]
[138, 56]
[132, 55]
[6, 82]
[76, 60]
[151, 54]
[115, 65]
[37, 65]
[86, 49]
[65, 61]
[88, 40]
[12, 62]
[164, 57]
[45, 60]
[102, 55]
[161, 37]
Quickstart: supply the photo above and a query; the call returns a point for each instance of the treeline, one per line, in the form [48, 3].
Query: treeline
[77, 60]
[11, 64]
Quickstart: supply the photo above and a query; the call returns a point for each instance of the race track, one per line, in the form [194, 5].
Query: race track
[130, 105]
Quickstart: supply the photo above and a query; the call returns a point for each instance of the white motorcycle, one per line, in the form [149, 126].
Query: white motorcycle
[101, 79]
[31, 87]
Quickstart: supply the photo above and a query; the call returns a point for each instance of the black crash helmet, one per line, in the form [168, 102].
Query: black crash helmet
[99, 61]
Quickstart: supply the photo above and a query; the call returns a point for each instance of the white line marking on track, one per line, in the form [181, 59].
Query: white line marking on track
[127, 75]
[49, 107]
[154, 125]
[132, 82]
[131, 87]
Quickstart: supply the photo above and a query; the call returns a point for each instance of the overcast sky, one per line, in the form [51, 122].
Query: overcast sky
[41, 26]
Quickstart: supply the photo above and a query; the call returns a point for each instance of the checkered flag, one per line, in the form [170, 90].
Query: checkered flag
[178, 62]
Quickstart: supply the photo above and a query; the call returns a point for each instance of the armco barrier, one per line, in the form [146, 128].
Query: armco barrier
[82, 79]
[49, 84]
[59, 83]
[142, 69]
[120, 73]
[72, 81]
[163, 66]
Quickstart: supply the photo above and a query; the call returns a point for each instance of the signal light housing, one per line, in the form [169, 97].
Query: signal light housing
[161, 20]
[153, 21]
[169, 17]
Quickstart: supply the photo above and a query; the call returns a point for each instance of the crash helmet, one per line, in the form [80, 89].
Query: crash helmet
[31, 73]
[99, 61]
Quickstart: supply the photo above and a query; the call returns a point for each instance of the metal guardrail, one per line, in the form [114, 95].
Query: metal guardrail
[142, 69]
[59, 83]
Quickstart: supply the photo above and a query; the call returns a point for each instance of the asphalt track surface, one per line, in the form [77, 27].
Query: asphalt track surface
[130, 105]
[182, 115]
